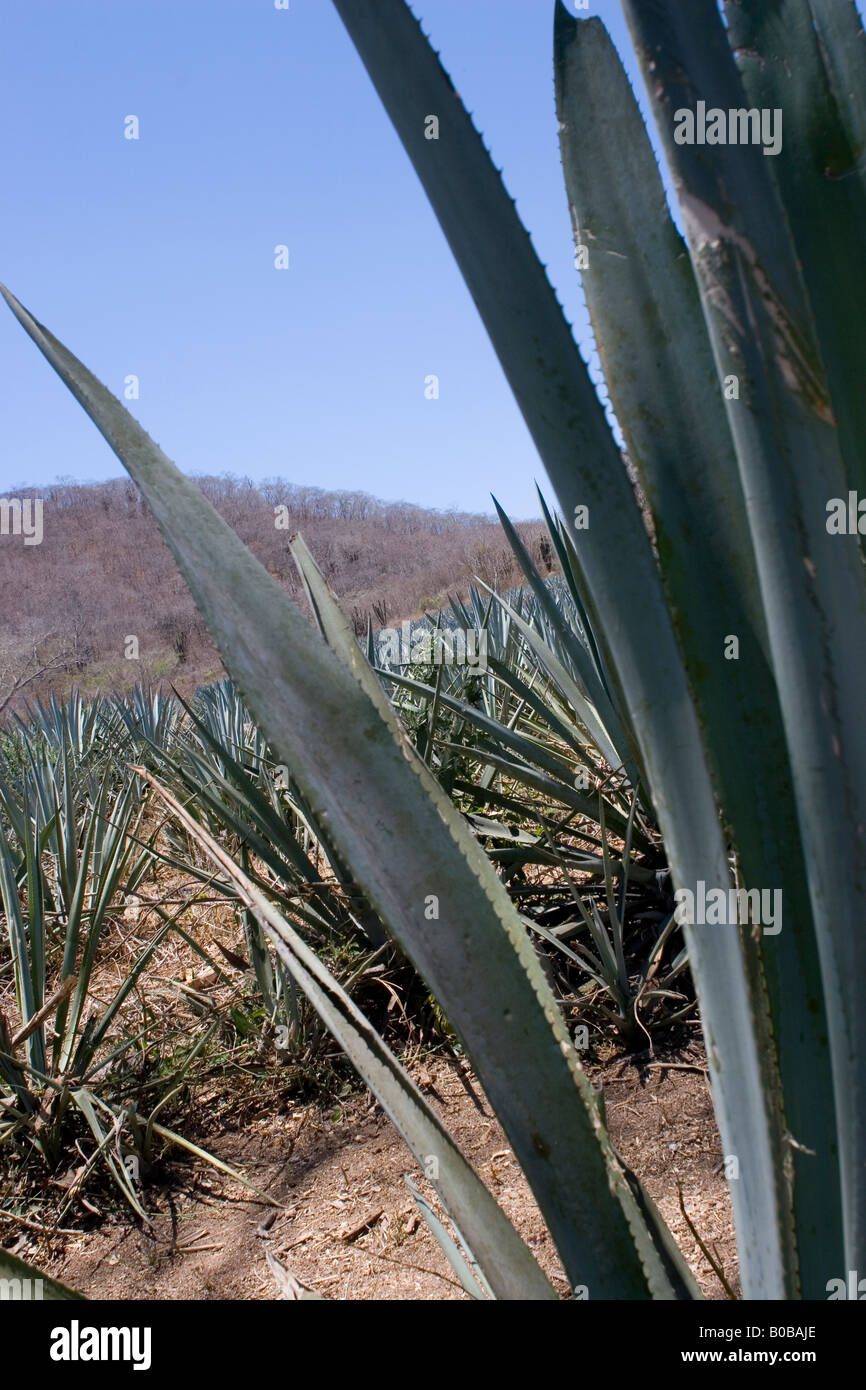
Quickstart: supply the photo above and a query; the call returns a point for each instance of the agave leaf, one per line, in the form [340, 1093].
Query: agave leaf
[467, 1270]
[11, 1268]
[87, 1103]
[840, 31]
[629, 615]
[430, 734]
[661, 376]
[812, 582]
[585, 712]
[512, 1267]
[29, 1001]
[664, 388]
[276, 838]
[581, 658]
[667, 1274]
[571, 574]
[274, 835]
[523, 748]
[554, 790]
[488, 796]
[258, 949]
[114, 850]
[332, 725]
[544, 705]
[807, 58]
[84, 1055]
[183, 1143]
[33, 845]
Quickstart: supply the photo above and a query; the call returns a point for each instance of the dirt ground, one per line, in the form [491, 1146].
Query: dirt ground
[346, 1226]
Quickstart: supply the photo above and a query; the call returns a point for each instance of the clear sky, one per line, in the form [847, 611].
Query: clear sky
[155, 256]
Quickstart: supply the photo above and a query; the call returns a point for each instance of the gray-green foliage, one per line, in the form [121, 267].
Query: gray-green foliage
[74, 848]
[738, 487]
[68, 844]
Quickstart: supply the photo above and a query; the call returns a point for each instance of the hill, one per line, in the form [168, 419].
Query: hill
[98, 601]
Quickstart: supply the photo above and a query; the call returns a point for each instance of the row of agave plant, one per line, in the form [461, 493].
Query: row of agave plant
[76, 845]
[733, 360]
[529, 745]
[76, 851]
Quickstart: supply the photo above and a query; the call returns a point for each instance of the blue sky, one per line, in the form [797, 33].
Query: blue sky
[155, 257]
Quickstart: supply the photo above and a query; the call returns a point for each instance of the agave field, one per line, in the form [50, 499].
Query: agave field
[644, 809]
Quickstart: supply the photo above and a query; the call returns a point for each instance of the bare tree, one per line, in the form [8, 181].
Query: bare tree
[33, 660]
[104, 573]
